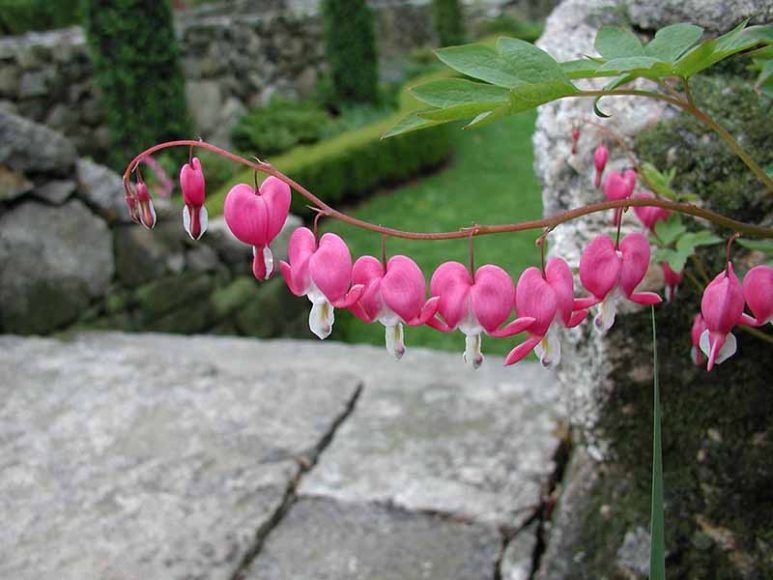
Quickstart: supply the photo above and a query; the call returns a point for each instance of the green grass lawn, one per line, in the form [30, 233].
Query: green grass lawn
[489, 180]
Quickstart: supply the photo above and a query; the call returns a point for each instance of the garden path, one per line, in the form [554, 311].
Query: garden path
[155, 456]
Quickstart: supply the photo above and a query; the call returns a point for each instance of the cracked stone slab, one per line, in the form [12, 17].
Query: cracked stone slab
[323, 539]
[431, 435]
[125, 457]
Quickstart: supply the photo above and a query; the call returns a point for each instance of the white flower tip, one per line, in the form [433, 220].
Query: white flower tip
[268, 259]
[472, 353]
[321, 319]
[394, 340]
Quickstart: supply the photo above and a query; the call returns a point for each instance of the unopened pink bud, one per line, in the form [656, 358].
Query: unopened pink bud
[147, 213]
[192, 185]
[600, 157]
[649, 215]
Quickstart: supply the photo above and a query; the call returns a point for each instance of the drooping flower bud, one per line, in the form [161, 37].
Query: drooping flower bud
[256, 217]
[612, 274]
[323, 273]
[722, 308]
[619, 186]
[131, 204]
[600, 157]
[575, 139]
[192, 185]
[758, 292]
[145, 209]
[649, 215]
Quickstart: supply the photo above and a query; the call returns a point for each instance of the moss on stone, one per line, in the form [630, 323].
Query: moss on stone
[704, 164]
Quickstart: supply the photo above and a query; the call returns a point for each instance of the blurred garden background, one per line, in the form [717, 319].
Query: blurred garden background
[310, 86]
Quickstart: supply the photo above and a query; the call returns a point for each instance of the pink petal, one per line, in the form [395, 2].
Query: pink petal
[246, 215]
[451, 282]
[301, 247]
[758, 292]
[698, 326]
[619, 185]
[559, 276]
[514, 327]
[636, 259]
[522, 349]
[368, 272]
[403, 288]
[492, 296]
[259, 269]
[649, 215]
[277, 196]
[351, 297]
[722, 302]
[535, 298]
[192, 183]
[599, 268]
[330, 267]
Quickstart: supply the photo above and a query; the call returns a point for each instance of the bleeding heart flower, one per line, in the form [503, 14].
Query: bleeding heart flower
[672, 280]
[649, 215]
[192, 184]
[145, 210]
[131, 204]
[619, 186]
[393, 297]
[722, 308]
[600, 156]
[549, 300]
[611, 275]
[256, 218]
[698, 326]
[758, 292]
[474, 306]
[323, 273]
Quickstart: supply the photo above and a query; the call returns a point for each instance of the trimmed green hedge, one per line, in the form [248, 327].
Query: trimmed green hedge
[20, 16]
[351, 165]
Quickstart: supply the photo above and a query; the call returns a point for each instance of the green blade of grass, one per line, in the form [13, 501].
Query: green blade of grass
[657, 541]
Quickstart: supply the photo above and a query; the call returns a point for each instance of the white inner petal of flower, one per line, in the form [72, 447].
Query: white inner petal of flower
[728, 349]
[549, 348]
[203, 219]
[472, 353]
[268, 258]
[607, 311]
[395, 340]
[321, 319]
[187, 220]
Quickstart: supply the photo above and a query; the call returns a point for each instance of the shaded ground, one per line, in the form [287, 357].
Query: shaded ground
[152, 456]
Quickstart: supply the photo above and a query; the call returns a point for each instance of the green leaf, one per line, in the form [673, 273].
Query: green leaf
[459, 98]
[691, 240]
[712, 51]
[615, 42]
[668, 231]
[757, 245]
[410, 123]
[639, 65]
[527, 62]
[488, 117]
[479, 62]
[659, 182]
[672, 41]
[657, 525]
[580, 69]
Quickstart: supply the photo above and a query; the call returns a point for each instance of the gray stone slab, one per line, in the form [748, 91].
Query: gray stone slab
[430, 434]
[518, 558]
[323, 539]
[125, 457]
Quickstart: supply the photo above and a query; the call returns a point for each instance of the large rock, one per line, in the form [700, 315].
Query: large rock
[55, 261]
[102, 189]
[31, 148]
[125, 458]
[324, 539]
[710, 482]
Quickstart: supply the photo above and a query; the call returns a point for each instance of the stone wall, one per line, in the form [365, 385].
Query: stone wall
[716, 428]
[235, 55]
[70, 256]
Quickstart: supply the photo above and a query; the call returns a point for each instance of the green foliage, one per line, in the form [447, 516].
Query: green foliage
[449, 21]
[532, 77]
[134, 53]
[279, 127]
[675, 244]
[19, 16]
[350, 45]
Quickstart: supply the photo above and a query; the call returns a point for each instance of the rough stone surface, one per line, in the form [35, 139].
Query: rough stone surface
[30, 148]
[55, 260]
[13, 184]
[55, 192]
[150, 457]
[102, 189]
[518, 559]
[434, 435]
[323, 539]
[608, 380]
